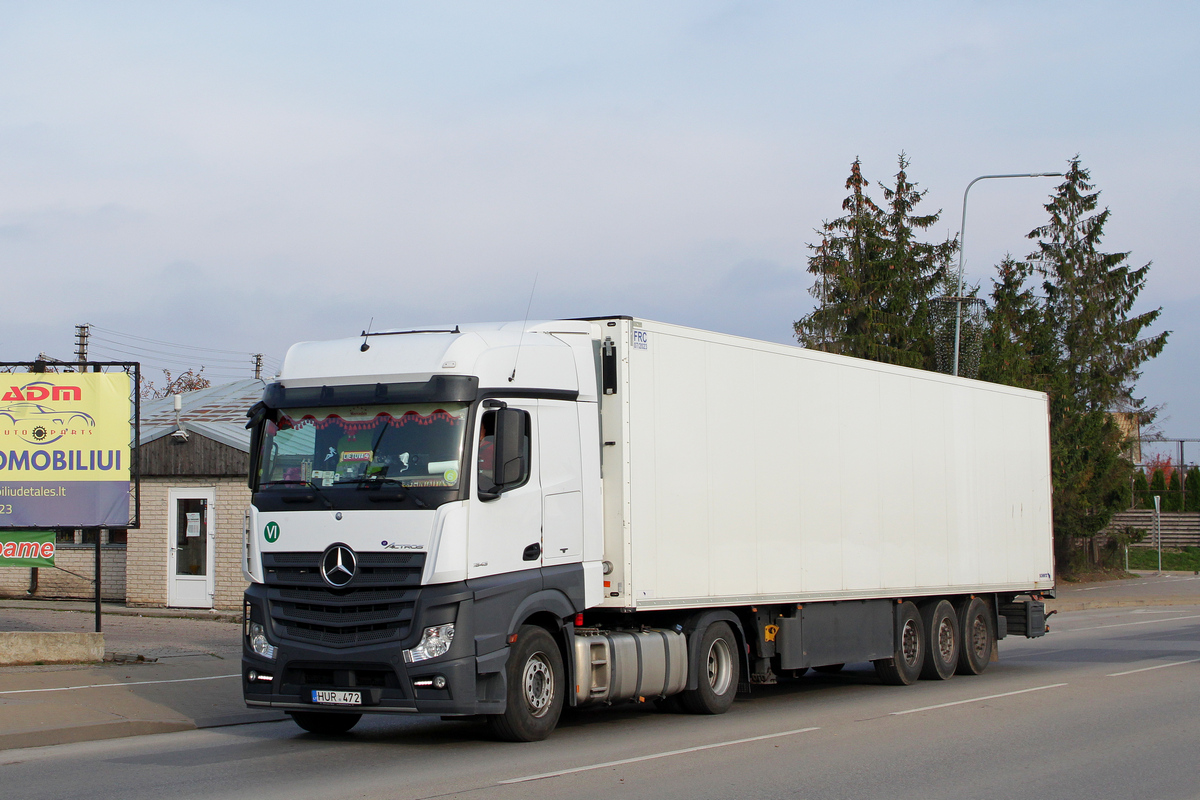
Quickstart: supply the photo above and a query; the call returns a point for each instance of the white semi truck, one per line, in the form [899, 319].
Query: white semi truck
[503, 519]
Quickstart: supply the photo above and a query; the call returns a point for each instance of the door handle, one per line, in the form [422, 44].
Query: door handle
[532, 552]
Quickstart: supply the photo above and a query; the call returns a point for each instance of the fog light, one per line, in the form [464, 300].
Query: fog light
[253, 676]
[439, 682]
[258, 641]
[434, 642]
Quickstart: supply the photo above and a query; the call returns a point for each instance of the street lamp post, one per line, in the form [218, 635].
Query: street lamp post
[962, 238]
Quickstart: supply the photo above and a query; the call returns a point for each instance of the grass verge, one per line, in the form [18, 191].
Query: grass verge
[1172, 559]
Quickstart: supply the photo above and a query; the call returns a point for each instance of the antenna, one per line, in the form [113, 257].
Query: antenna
[365, 347]
[521, 341]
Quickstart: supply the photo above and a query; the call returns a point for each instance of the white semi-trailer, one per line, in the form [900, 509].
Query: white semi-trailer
[500, 519]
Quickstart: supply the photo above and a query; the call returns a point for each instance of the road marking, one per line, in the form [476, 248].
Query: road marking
[1124, 624]
[1156, 666]
[976, 699]
[104, 685]
[653, 756]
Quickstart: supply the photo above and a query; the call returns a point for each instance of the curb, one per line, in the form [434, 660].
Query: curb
[79, 607]
[1089, 605]
[49, 647]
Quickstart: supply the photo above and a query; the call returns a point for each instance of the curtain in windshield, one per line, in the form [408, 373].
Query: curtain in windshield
[411, 445]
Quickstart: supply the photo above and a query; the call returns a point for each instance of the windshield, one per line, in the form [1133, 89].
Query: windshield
[416, 445]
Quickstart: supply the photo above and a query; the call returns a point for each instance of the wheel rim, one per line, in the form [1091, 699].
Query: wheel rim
[946, 640]
[720, 666]
[538, 681]
[910, 643]
[979, 638]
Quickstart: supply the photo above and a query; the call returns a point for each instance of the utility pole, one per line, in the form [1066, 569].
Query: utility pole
[258, 361]
[82, 332]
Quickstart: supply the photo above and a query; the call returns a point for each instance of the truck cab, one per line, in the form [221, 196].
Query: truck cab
[418, 496]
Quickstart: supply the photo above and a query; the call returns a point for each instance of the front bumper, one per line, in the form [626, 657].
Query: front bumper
[387, 684]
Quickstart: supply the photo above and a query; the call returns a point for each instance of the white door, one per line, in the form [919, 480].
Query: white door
[190, 525]
[505, 533]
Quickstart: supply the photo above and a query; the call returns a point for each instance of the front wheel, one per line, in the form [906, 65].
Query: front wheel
[535, 688]
[719, 671]
[326, 723]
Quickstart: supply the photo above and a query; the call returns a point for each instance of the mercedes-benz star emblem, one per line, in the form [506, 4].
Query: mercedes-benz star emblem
[339, 565]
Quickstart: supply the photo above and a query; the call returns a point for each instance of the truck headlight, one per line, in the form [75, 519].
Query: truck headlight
[434, 642]
[257, 636]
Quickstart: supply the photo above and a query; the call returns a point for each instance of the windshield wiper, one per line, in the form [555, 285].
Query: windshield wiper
[301, 498]
[381, 481]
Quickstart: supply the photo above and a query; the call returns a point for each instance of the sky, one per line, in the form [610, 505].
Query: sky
[236, 177]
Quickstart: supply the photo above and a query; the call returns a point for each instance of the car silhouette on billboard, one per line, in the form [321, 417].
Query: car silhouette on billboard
[38, 424]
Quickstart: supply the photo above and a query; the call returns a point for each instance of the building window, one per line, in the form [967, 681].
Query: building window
[118, 536]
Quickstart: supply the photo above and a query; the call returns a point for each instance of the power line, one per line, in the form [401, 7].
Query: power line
[159, 354]
[166, 343]
[134, 350]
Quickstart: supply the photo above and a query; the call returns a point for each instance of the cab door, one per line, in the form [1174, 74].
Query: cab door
[504, 533]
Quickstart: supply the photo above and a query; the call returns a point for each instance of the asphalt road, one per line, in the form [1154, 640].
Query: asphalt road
[1106, 706]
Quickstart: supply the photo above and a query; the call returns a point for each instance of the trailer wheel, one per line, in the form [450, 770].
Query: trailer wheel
[941, 640]
[904, 667]
[329, 724]
[535, 688]
[978, 634]
[719, 671]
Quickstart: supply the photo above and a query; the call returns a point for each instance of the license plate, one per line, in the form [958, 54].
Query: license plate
[328, 698]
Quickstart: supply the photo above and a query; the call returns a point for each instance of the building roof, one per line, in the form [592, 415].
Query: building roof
[217, 413]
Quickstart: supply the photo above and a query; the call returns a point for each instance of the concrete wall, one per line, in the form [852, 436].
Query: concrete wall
[72, 574]
[146, 567]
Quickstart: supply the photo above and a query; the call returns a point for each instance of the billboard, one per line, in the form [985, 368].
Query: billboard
[65, 452]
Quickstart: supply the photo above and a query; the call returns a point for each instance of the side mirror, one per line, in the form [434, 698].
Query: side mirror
[511, 459]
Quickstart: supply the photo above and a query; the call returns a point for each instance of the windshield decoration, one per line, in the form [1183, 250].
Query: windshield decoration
[409, 446]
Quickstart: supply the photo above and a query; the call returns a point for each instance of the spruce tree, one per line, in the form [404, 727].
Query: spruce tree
[1089, 295]
[1018, 342]
[915, 270]
[1096, 359]
[874, 277]
[845, 264]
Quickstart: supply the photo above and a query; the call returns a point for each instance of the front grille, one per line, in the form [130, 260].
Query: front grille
[349, 677]
[376, 606]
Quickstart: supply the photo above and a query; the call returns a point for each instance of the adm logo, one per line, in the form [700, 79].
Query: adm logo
[27, 418]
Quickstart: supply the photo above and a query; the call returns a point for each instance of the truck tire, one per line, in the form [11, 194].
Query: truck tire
[720, 669]
[535, 688]
[978, 634]
[326, 723]
[904, 667]
[941, 640]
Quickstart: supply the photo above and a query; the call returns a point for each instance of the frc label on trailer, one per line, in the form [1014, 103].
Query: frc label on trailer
[641, 340]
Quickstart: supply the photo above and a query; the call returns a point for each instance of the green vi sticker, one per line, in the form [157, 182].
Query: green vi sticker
[271, 532]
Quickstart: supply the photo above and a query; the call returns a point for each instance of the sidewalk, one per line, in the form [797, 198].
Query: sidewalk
[190, 675]
[1148, 589]
[179, 671]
